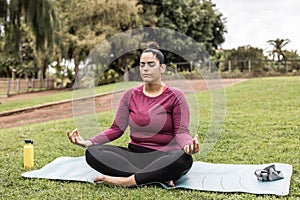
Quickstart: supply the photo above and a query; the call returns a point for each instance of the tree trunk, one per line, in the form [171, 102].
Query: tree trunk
[126, 74]
[76, 81]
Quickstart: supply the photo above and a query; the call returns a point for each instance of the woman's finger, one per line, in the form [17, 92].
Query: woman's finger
[197, 147]
[192, 147]
[186, 149]
[70, 136]
[197, 143]
[194, 142]
[74, 133]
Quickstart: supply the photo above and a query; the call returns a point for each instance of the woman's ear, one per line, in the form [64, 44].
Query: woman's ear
[163, 68]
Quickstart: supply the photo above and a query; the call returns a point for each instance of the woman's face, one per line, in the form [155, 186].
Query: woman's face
[150, 68]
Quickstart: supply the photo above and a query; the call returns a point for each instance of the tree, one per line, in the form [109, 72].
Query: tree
[244, 54]
[3, 14]
[196, 19]
[293, 58]
[41, 18]
[88, 23]
[37, 15]
[278, 45]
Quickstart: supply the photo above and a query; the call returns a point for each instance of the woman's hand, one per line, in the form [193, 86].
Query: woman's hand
[193, 147]
[75, 138]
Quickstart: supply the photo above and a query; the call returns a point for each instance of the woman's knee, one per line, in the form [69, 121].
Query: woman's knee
[184, 162]
[89, 156]
[96, 151]
[93, 155]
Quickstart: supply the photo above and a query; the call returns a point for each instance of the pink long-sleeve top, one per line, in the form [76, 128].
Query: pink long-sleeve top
[159, 123]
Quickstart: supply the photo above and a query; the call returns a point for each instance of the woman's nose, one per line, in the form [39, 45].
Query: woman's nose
[146, 68]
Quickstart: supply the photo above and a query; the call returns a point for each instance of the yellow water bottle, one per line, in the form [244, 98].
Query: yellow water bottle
[28, 154]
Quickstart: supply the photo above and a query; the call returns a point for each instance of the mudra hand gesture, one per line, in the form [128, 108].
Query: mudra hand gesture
[75, 138]
[193, 147]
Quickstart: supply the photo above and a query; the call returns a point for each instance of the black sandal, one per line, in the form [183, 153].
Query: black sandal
[268, 174]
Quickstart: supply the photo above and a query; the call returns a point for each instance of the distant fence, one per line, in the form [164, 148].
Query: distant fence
[9, 86]
[285, 66]
[242, 66]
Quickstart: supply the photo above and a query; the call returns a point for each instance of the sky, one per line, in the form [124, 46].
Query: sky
[254, 22]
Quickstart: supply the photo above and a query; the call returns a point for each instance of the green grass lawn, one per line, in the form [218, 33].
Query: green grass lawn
[262, 125]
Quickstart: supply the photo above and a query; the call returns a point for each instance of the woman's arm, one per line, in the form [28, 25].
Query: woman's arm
[181, 119]
[115, 131]
[120, 122]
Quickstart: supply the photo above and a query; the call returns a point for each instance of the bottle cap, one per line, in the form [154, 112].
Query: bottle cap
[28, 141]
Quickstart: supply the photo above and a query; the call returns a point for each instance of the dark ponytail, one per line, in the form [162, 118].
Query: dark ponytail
[153, 47]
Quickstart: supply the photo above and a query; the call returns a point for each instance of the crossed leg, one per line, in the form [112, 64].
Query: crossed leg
[125, 167]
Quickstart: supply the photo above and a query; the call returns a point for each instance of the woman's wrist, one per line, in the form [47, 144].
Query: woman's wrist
[88, 143]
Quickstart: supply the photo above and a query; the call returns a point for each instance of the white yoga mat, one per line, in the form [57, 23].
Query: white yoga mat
[202, 176]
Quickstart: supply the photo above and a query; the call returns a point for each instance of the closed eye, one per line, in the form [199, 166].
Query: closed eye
[150, 64]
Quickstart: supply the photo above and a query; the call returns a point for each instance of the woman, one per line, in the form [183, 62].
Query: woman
[158, 116]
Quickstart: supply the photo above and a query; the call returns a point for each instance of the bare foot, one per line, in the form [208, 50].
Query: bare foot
[170, 183]
[118, 181]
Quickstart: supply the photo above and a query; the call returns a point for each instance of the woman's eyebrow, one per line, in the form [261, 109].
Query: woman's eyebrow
[147, 62]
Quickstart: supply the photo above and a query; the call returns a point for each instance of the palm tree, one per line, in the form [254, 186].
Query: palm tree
[40, 17]
[278, 45]
[3, 14]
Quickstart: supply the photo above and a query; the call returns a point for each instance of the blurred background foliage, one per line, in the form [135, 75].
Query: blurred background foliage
[50, 39]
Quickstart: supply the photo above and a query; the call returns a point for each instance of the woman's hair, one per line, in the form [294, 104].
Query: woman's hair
[153, 47]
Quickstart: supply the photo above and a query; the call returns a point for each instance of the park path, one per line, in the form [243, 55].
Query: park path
[64, 109]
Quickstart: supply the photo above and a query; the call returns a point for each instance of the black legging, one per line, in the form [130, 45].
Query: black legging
[146, 164]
